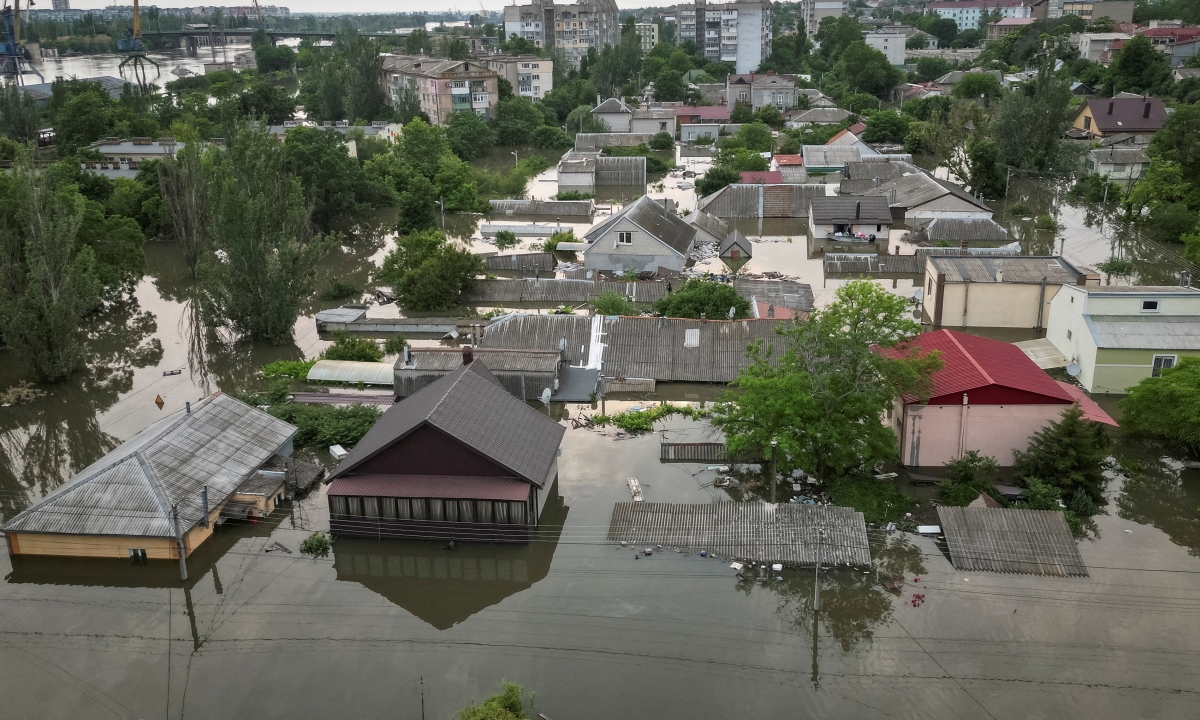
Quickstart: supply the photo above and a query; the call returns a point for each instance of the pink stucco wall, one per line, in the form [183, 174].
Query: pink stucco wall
[931, 434]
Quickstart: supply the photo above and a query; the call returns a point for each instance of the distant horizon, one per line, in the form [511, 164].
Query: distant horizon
[355, 7]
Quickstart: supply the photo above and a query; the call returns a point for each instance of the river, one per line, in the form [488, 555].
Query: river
[386, 629]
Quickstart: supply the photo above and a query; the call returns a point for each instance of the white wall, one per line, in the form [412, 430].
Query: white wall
[645, 252]
[890, 44]
[1068, 331]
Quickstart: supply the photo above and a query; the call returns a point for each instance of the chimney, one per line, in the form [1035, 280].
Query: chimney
[1110, 106]
[407, 356]
[187, 408]
[999, 275]
[962, 244]
[770, 311]
[598, 101]
[1146, 111]
[703, 317]
[857, 209]
[468, 354]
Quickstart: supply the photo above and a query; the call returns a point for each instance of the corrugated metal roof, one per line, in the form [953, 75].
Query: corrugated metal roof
[541, 262]
[557, 291]
[431, 486]
[957, 230]
[657, 348]
[829, 210]
[822, 115]
[1007, 540]
[737, 240]
[1111, 155]
[710, 224]
[541, 332]
[1138, 289]
[785, 200]
[1016, 269]
[972, 363]
[882, 168]
[617, 170]
[340, 315]
[495, 359]
[350, 371]
[553, 208]
[781, 293]
[828, 156]
[1145, 332]
[651, 216]
[131, 489]
[472, 407]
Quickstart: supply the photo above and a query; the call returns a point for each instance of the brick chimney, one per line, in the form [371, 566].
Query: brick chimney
[468, 354]
[1110, 106]
[1146, 111]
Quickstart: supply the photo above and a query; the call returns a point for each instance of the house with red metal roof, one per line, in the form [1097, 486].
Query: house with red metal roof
[761, 177]
[988, 397]
[459, 459]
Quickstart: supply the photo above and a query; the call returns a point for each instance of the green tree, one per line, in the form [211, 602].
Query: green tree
[469, 136]
[262, 227]
[1167, 407]
[822, 399]
[976, 85]
[1069, 454]
[741, 113]
[349, 347]
[421, 147]
[1179, 141]
[48, 282]
[83, 119]
[662, 141]
[1029, 124]
[1139, 68]
[715, 179]
[859, 102]
[835, 34]
[669, 87]
[365, 97]
[945, 30]
[769, 115]
[416, 205]
[703, 297]
[507, 705]
[551, 137]
[886, 127]
[118, 246]
[865, 69]
[516, 119]
[18, 114]
[335, 185]
[610, 303]
[581, 120]
[931, 68]
[756, 137]
[965, 479]
[430, 273]
[986, 176]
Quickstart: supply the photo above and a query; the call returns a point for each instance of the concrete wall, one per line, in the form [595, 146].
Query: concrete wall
[652, 126]
[934, 434]
[1009, 305]
[1067, 330]
[617, 122]
[1117, 370]
[645, 252]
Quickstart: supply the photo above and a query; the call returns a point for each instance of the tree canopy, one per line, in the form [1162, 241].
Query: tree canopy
[1167, 407]
[703, 297]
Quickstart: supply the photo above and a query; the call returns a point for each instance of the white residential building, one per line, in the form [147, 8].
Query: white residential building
[733, 32]
[531, 76]
[891, 44]
[969, 15]
[648, 32]
[814, 10]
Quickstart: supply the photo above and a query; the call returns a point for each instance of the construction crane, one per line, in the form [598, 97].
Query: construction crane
[135, 49]
[12, 55]
[262, 24]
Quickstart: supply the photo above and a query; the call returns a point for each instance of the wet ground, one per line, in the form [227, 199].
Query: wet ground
[595, 632]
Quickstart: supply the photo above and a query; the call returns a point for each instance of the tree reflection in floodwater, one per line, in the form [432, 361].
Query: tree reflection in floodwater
[853, 602]
[1156, 492]
[47, 440]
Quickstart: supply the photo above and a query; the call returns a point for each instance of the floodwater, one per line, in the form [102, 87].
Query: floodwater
[86, 66]
[382, 628]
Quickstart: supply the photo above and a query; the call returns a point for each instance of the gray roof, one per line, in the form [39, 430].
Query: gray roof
[781, 293]
[472, 407]
[1016, 269]
[496, 359]
[917, 189]
[1145, 332]
[957, 230]
[883, 168]
[561, 291]
[1122, 155]
[955, 76]
[822, 116]
[130, 490]
[651, 216]
[785, 200]
[541, 332]
[829, 155]
[1138, 289]
[543, 207]
[868, 209]
[738, 240]
[683, 350]
[154, 147]
[613, 105]
[1007, 540]
[540, 261]
[710, 224]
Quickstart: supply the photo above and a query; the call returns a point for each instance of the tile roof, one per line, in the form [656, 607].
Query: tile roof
[1126, 114]
[761, 177]
[651, 216]
[130, 490]
[1018, 269]
[431, 486]
[472, 407]
[972, 363]
[868, 209]
[789, 160]
[1145, 332]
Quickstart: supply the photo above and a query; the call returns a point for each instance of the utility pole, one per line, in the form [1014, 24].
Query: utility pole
[817, 571]
[179, 542]
[774, 467]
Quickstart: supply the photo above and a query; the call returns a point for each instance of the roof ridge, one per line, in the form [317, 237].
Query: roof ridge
[156, 488]
[953, 339]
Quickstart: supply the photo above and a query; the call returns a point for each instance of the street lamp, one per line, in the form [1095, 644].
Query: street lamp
[516, 160]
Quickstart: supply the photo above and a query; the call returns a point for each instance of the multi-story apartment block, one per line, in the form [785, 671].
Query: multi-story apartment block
[969, 15]
[531, 76]
[733, 32]
[813, 11]
[648, 32]
[444, 86]
[570, 28]
[891, 44]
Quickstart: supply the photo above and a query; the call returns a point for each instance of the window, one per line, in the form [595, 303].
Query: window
[624, 238]
[1149, 306]
[1119, 168]
[138, 555]
[930, 290]
[1087, 123]
[1162, 362]
[878, 228]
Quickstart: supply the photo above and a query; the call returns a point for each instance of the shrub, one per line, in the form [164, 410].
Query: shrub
[1046, 222]
[573, 195]
[338, 289]
[394, 345]
[698, 297]
[506, 239]
[317, 545]
[662, 141]
[1020, 210]
[880, 501]
[551, 243]
[610, 303]
[297, 369]
[1116, 266]
[1068, 454]
[347, 347]
[640, 421]
[325, 425]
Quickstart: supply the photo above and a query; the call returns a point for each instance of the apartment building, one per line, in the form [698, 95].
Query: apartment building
[648, 32]
[968, 15]
[531, 76]
[891, 44]
[571, 28]
[735, 32]
[444, 86]
[813, 11]
[1119, 10]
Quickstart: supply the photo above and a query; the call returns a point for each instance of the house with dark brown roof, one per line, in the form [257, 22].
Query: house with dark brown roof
[459, 459]
[1101, 117]
[845, 215]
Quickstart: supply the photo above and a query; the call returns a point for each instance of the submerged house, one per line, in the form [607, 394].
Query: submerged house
[996, 291]
[162, 491]
[988, 397]
[643, 236]
[868, 215]
[459, 459]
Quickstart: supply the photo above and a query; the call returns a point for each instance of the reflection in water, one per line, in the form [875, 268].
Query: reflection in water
[45, 441]
[444, 587]
[1155, 493]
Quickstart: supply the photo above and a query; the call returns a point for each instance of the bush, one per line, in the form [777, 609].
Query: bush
[640, 421]
[338, 289]
[610, 303]
[553, 138]
[698, 297]
[573, 195]
[662, 141]
[395, 345]
[325, 425]
[1020, 210]
[1069, 454]
[505, 239]
[507, 705]
[317, 545]
[551, 243]
[964, 480]
[1046, 223]
[297, 369]
[880, 501]
[347, 347]
[1116, 266]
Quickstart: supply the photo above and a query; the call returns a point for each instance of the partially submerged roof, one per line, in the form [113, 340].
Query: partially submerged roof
[1145, 332]
[782, 293]
[1129, 114]
[1119, 155]
[870, 209]
[917, 189]
[737, 240]
[470, 406]
[989, 371]
[651, 216]
[1008, 540]
[966, 229]
[131, 490]
[1009, 269]
[761, 177]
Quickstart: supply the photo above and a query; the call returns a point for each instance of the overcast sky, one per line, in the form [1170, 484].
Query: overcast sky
[346, 6]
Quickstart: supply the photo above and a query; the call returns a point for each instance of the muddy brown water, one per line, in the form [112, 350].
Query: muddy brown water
[377, 625]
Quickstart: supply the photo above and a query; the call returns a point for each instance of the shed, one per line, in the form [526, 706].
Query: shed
[459, 459]
[350, 372]
[735, 251]
[523, 373]
[123, 505]
[1009, 540]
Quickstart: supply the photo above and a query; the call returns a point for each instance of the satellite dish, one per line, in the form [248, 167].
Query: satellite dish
[545, 396]
[1073, 369]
